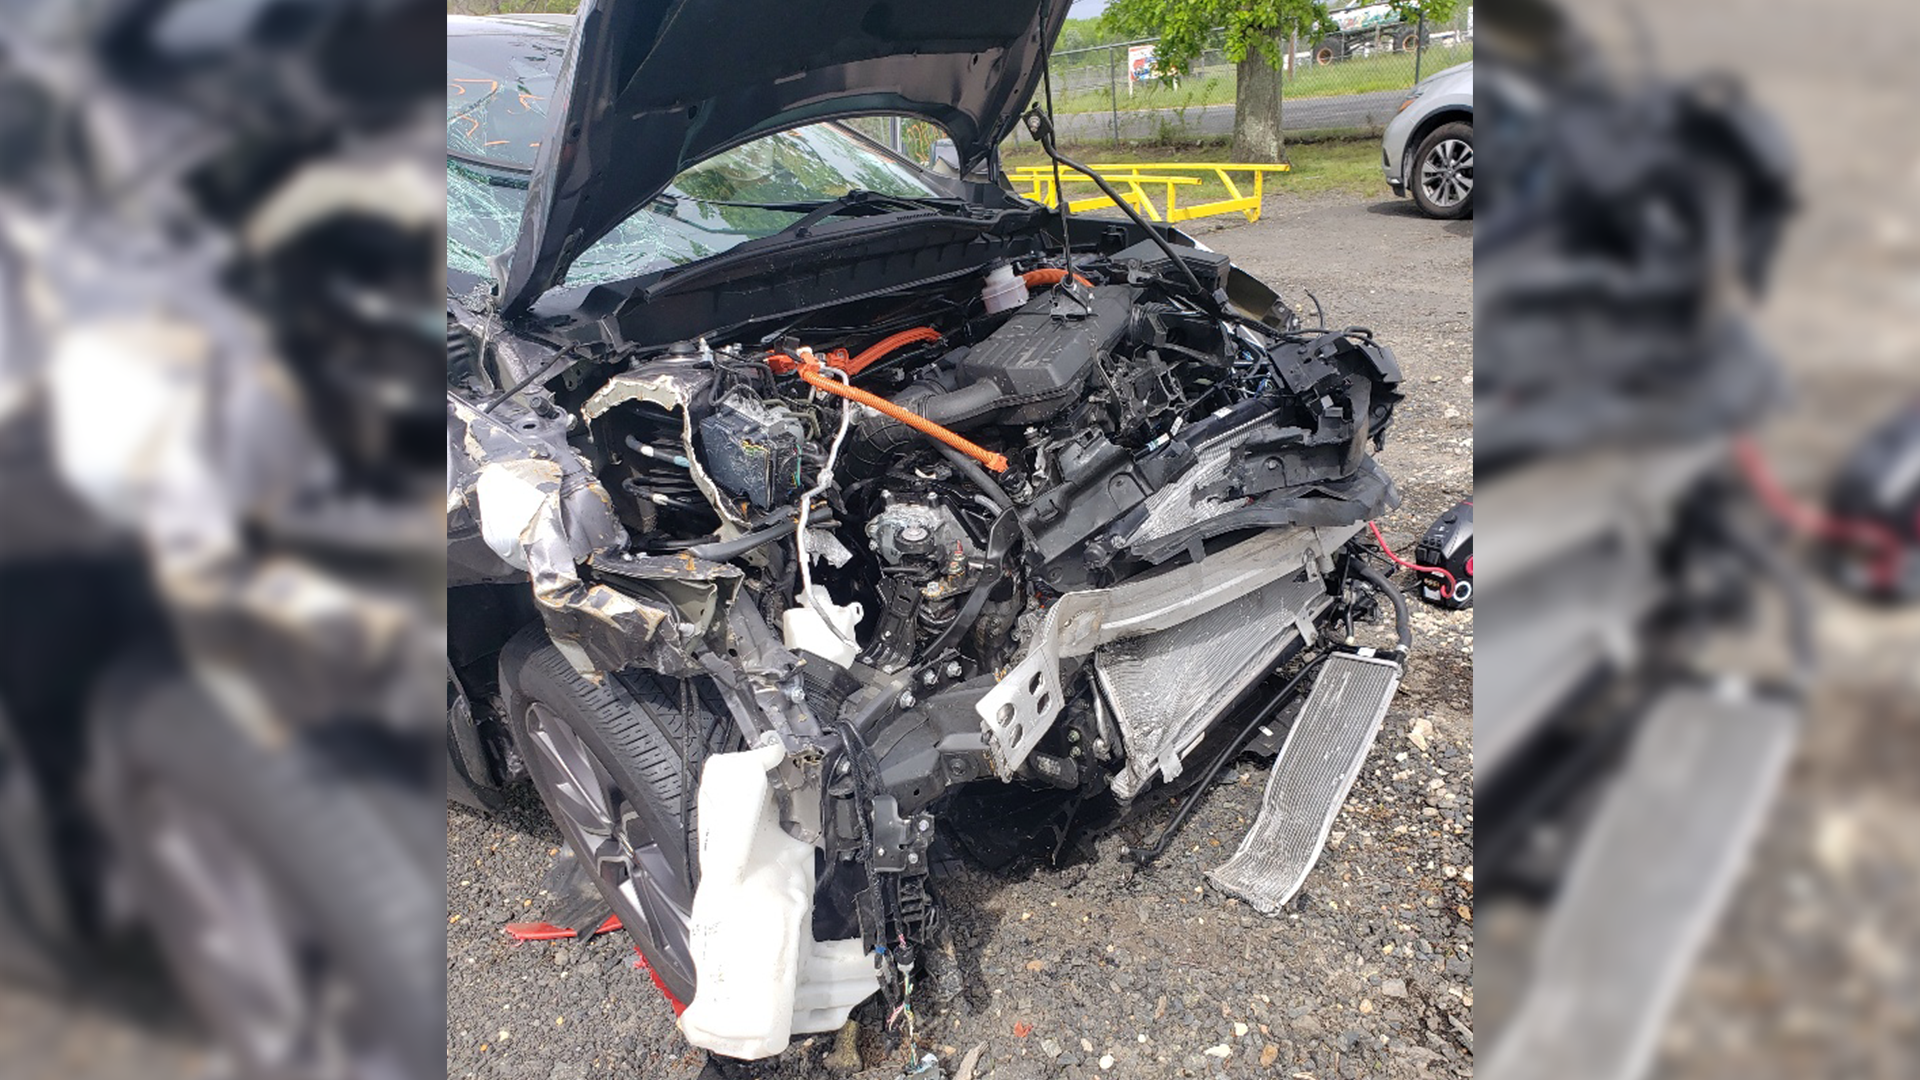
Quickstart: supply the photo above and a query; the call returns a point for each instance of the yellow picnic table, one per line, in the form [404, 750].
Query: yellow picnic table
[1129, 176]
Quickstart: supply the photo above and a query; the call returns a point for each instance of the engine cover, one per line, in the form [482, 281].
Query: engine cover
[1038, 360]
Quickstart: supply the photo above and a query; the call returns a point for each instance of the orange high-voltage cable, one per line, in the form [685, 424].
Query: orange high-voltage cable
[808, 368]
[884, 347]
[1050, 275]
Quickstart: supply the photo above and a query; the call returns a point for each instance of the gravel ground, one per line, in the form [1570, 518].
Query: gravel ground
[1094, 969]
[106, 1033]
[1816, 969]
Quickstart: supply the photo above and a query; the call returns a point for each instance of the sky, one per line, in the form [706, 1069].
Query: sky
[1087, 9]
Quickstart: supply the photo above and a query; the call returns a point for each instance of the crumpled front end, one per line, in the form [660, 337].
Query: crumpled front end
[956, 552]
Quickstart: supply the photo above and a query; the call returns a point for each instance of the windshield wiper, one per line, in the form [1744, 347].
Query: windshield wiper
[852, 199]
[815, 211]
[862, 200]
[492, 173]
[684, 275]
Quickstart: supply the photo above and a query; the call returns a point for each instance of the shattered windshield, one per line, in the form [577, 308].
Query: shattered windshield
[498, 89]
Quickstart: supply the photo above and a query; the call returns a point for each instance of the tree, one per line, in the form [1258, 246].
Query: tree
[1083, 34]
[1254, 30]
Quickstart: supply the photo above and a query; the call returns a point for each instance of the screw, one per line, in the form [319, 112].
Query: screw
[913, 858]
[1073, 734]
[907, 699]
[924, 824]
[931, 677]
[879, 851]
[953, 669]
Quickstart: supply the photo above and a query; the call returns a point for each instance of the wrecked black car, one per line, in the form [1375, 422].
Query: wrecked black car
[798, 486]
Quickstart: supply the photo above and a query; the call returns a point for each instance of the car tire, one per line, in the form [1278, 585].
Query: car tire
[299, 924]
[1440, 176]
[618, 766]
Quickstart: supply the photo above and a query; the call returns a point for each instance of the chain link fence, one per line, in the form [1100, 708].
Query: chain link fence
[1346, 83]
[1350, 82]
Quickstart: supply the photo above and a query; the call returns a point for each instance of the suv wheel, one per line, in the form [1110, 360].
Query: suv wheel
[618, 766]
[297, 921]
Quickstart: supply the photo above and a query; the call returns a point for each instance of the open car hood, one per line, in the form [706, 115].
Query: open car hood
[651, 87]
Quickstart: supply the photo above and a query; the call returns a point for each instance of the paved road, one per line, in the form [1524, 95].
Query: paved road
[1304, 114]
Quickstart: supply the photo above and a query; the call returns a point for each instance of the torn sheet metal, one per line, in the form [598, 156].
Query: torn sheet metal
[673, 388]
[508, 474]
[278, 639]
[540, 508]
[521, 494]
[699, 589]
[209, 440]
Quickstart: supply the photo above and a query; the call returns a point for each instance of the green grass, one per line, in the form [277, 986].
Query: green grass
[1215, 86]
[510, 7]
[1346, 166]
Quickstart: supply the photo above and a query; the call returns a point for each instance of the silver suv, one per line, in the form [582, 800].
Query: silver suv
[1428, 148]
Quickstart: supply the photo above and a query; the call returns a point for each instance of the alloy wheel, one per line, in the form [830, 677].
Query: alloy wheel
[1446, 173]
[610, 838]
[280, 1005]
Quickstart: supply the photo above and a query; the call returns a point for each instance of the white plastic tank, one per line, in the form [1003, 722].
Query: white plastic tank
[1004, 289]
[760, 975]
[803, 628]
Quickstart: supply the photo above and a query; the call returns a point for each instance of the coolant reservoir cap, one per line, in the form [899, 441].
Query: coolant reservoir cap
[1003, 290]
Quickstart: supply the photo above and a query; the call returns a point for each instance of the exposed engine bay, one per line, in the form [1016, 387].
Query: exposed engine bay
[970, 533]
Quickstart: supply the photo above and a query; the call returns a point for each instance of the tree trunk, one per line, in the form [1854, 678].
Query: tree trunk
[1256, 110]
